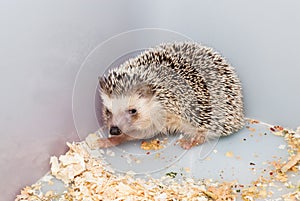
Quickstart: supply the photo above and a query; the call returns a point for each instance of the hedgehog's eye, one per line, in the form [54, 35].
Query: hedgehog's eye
[132, 111]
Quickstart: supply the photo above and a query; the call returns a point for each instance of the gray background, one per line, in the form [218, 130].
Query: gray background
[43, 44]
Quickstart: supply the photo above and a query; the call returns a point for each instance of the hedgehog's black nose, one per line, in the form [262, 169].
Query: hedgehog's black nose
[114, 130]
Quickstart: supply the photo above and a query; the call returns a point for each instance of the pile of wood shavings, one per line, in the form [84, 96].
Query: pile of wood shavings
[89, 178]
[258, 189]
[34, 193]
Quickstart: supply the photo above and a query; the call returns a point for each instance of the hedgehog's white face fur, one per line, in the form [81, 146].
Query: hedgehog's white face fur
[136, 114]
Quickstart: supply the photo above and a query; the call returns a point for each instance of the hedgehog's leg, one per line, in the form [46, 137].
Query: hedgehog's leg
[113, 141]
[192, 137]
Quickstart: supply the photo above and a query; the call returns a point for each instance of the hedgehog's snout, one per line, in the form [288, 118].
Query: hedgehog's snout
[114, 130]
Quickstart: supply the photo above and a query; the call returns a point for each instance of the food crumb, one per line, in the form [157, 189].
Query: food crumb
[238, 157]
[251, 129]
[154, 144]
[187, 170]
[229, 154]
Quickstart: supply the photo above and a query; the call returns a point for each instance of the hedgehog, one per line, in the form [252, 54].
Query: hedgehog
[179, 87]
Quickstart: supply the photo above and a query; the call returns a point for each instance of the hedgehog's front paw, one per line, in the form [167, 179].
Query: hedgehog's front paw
[187, 143]
[104, 143]
[109, 142]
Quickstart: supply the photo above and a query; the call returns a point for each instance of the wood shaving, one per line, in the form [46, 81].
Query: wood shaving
[222, 192]
[291, 163]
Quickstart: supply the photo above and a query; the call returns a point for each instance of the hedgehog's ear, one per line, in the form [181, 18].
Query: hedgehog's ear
[145, 91]
[101, 83]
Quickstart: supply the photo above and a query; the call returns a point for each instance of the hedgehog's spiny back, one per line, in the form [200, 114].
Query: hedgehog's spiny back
[213, 81]
[221, 81]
